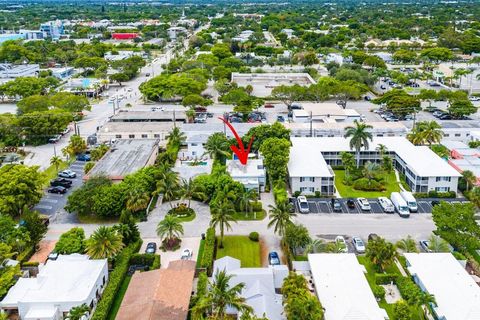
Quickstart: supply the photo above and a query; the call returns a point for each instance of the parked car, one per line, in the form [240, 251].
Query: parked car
[400, 204]
[296, 107]
[474, 98]
[445, 117]
[364, 204]
[55, 138]
[268, 105]
[424, 244]
[83, 157]
[61, 182]
[280, 119]
[351, 204]
[273, 259]
[340, 240]
[386, 204]
[337, 207]
[151, 247]
[383, 87]
[67, 130]
[187, 254]
[435, 203]
[303, 204]
[67, 174]
[57, 189]
[147, 74]
[358, 244]
[410, 200]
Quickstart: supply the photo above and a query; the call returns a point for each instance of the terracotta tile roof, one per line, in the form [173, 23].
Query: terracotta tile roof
[162, 294]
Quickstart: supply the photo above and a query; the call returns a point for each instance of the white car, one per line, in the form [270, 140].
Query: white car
[358, 244]
[303, 204]
[187, 254]
[386, 204]
[340, 240]
[363, 203]
[474, 98]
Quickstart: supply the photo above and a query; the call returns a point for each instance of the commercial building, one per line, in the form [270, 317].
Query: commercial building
[123, 54]
[11, 36]
[33, 34]
[324, 112]
[251, 175]
[52, 29]
[337, 129]
[124, 35]
[260, 286]
[463, 158]
[311, 158]
[342, 288]
[63, 73]
[69, 281]
[457, 295]
[125, 156]
[162, 294]
[12, 71]
[85, 86]
[174, 32]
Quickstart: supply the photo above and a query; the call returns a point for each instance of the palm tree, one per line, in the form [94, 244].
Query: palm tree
[348, 161]
[170, 228]
[222, 215]
[382, 149]
[431, 132]
[370, 169]
[407, 245]
[470, 179]
[424, 299]
[359, 136]
[137, 200]
[221, 295]
[315, 246]
[56, 161]
[105, 242]
[437, 244]
[168, 186]
[245, 198]
[78, 312]
[280, 217]
[176, 137]
[189, 190]
[217, 146]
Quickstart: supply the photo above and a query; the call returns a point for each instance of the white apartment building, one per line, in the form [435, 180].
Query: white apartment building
[252, 175]
[337, 129]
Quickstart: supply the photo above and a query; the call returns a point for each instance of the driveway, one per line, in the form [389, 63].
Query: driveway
[192, 243]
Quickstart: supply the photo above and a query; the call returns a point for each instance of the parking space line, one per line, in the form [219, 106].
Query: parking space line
[40, 206]
[49, 200]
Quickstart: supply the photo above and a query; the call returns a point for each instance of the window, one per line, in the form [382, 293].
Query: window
[118, 136]
[131, 136]
[156, 136]
[457, 134]
[442, 189]
[194, 144]
[438, 179]
[446, 135]
[144, 136]
[310, 179]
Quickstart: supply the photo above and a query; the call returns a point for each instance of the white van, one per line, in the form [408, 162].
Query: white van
[400, 205]
[410, 200]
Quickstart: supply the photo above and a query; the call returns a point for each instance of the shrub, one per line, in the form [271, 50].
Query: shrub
[253, 236]
[88, 166]
[156, 263]
[30, 264]
[256, 206]
[459, 256]
[181, 211]
[209, 250]
[379, 292]
[171, 244]
[116, 277]
[408, 289]
[385, 278]
[145, 259]
[72, 241]
[280, 192]
[26, 254]
[368, 185]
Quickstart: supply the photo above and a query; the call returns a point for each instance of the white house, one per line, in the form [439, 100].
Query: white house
[457, 296]
[260, 285]
[60, 285]
[342, 288]
[424, 171]
[11, 71]
[252, 175]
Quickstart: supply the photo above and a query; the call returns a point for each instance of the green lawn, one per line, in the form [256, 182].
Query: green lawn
[95, 219]
[118, 298]
[51, 172]
[260, 215]
[348, 191]
[242, 248]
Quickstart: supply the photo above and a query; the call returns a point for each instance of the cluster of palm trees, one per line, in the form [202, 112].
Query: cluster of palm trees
[426, 133]
[435, 244]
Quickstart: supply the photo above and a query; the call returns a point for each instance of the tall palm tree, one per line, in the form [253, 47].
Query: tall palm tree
[424, 299]
[437, 244]
[222, 215]
[137, 200]
[359, 137]
[77, 313]
[189, 190]
[176, 137]
[220, 295]
[382, 149]
[56, 161]
[105, 242]
[245, 198]
[407, 245]
[470, 178]
[370, 169]
[168, 186]
[280, 217]
[169, 228]
[217, 146]
[432, 132]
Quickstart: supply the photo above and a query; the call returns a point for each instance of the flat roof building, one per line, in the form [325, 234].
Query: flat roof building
[112, 131]
[12, 71]
[326, 112]
[337, 129]
[126, 156]
[252, 175]
[342, 288]
[457, 295]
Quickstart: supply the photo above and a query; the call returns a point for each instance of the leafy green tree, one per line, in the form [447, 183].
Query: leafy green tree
[381, 253]
[296, 236]
[119, 77]
[403, 55]
[288, 94]
[34, 225]
[78, 312]
[77, 145]
[401, 310]
[359, 137]
[69, 102]
[221, 51]
[176, 137]
[82, 200]
[168, 186]
[169, 229]
[280, 217]
[72, 241]
[190, 190]
[168, 86]
[437, 244]
[128, 228]
[276, 153]
[461, 107]
[97, 153]
[137, 200]
[33, 103]
[265, 131]
[105, 242]
[38, 127]
[8, 274]
[348, 162]
[20, 188]
[426, 132]
[222, 216]
[298, 302]
[470, 178]
[407, 244]
[245, 198]
[193, 100]
[217, 146]
[437, 54]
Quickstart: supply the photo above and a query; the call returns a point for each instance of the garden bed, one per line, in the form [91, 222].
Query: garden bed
[391, 185]
[182, 212]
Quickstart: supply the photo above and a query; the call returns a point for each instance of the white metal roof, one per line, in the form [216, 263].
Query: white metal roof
[420, 159]
[342, 287]
[306, 161]
[456, 293]
[253, 169]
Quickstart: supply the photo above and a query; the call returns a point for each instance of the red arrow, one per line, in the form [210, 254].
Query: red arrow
[241, 153]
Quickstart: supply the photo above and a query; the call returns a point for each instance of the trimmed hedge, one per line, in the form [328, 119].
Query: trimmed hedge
[145, 259]
[156, 263]
[209, 250]
[30, 264]
[408, 289]
[253, 236]
[385, 278]
[25, 255]
[379, 292]
[435, 194]
[116, 277]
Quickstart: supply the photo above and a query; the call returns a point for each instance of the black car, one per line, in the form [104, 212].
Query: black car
[351, 204]
[445, 117]
[151, 248]
[62, 182]
[57, 189]
[434, 203]
[280, 119]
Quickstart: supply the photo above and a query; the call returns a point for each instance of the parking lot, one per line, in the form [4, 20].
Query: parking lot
[324, 205]
[52, 203]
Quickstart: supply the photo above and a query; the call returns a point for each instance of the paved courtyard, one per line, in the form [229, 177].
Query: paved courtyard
[192, 243]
